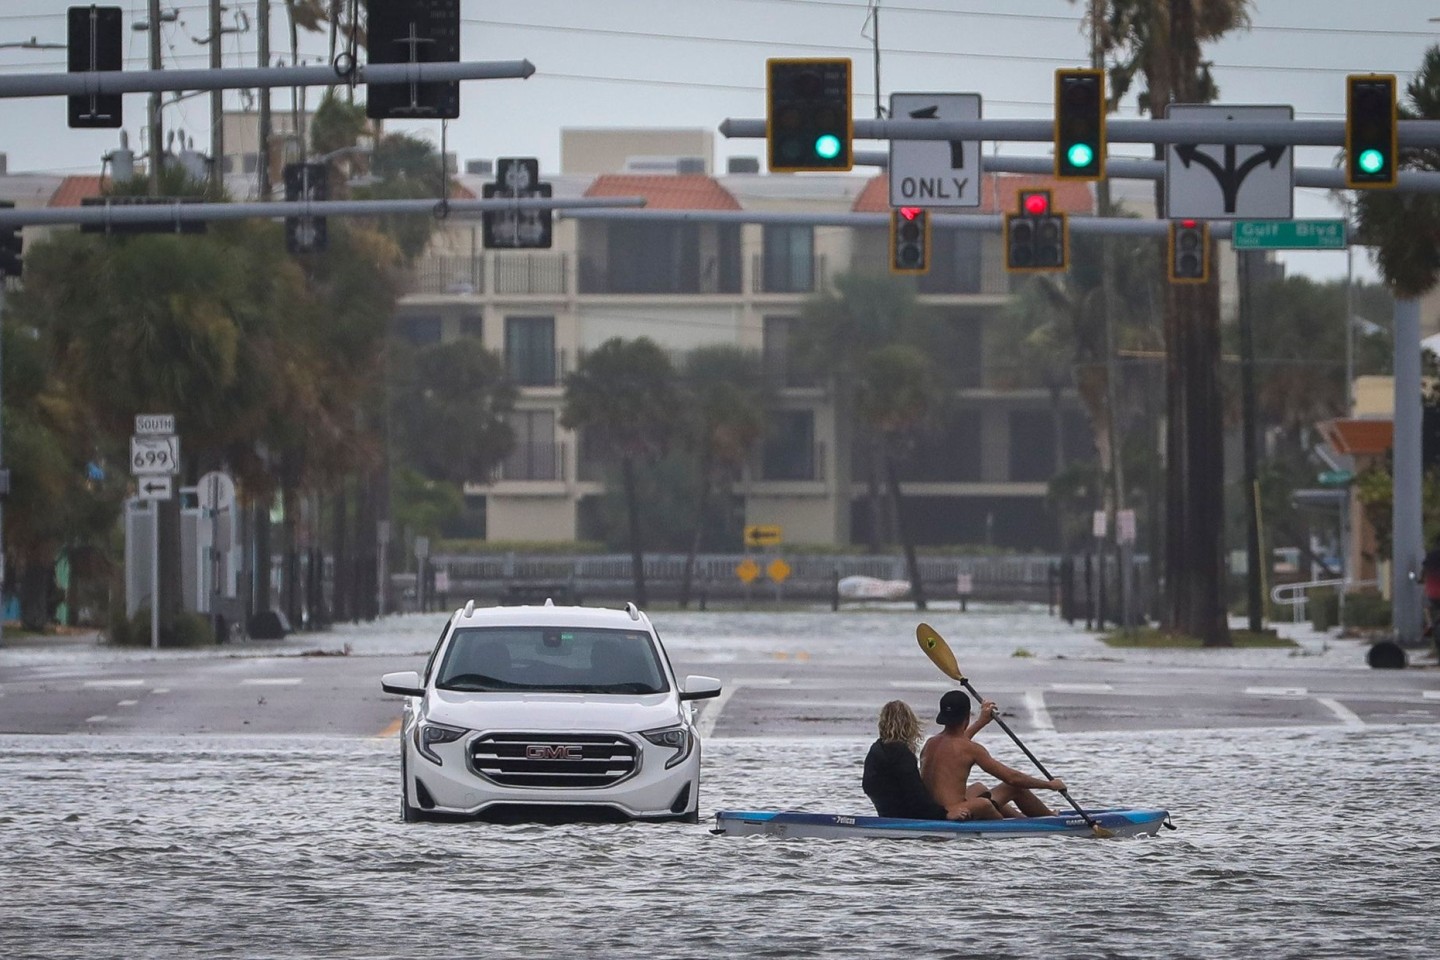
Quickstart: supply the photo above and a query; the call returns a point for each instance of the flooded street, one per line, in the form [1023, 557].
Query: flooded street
[1296, 838]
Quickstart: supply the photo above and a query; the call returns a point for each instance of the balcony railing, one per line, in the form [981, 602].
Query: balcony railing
[448, 274]
[537, 370]
[534, 460]
[783, 276]
[531, 273]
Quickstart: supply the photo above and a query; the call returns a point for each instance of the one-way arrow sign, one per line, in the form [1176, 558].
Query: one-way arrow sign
[156, 488]
[1211, 181]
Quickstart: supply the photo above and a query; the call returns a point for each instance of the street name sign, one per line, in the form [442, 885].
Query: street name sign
[154, 423]
[1289, 235]
[1212, 181]
[935, 173]
[154, 454]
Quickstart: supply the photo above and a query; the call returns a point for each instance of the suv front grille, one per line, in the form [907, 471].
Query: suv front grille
[554, 759]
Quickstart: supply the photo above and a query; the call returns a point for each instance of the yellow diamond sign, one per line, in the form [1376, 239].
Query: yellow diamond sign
[747, 570]
[777, 570]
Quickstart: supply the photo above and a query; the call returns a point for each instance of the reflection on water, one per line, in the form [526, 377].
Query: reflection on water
[1290, 844]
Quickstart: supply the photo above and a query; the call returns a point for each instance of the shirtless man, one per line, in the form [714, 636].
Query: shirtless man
[949, 756]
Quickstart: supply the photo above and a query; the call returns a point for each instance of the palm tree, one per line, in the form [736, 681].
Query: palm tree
[894, 393]
[727, 397]
[625, 397]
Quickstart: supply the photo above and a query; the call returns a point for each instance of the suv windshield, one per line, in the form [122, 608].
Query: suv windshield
[551, 659]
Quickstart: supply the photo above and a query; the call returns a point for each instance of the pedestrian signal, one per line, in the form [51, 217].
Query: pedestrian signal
[1189, 251]
[808, 124]
[1370, 131]
[1036, 238]
[909, 240]
[1080, 124]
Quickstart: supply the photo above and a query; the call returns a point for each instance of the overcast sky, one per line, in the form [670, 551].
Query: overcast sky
[693, 63]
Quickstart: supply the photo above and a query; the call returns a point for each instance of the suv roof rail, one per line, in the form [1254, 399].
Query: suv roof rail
[631, 609]
[549, 601]
[469, 608]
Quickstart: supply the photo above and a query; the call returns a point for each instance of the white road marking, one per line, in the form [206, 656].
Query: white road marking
[271, 681]
[1347, 716]
[708, 717]
[1276, 691]
[921, 685]
[766, 681]
[161, 690]
[1039, 716]
[97, 718]
[129, 682]
[1081, 687]
[1430, 694]
[127, 703]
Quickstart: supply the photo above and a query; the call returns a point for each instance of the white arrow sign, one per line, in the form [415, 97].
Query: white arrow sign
[155, 488]
[935, 173]
[1212, 181]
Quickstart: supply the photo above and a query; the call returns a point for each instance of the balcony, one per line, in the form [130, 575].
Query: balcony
[533, 460]
[447, 274]
[772, 275]
[537, 369]
[540, 273]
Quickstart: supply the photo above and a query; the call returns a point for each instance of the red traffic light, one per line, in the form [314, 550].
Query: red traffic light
[910, 213]
[1036, 204]
[1188, 224]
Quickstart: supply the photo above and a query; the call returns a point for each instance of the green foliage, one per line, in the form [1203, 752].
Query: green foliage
[667, 489]
[409, 169]
[625, 396]
[190, 630]
[450, 402]
[1154, 639]
[421, 505]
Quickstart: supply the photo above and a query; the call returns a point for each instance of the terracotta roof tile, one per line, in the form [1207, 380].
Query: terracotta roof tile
[997, 194]
[73, 189]
[679, 192]
[1359, 437]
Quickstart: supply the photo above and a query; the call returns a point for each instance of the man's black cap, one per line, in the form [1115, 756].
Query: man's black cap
[954, 708]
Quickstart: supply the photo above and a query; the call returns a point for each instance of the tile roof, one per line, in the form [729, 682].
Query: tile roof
[997, 194]
[690, 191]
[1359, 437]
[73, 189]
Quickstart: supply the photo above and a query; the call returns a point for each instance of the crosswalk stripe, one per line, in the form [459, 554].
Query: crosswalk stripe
[271, 681]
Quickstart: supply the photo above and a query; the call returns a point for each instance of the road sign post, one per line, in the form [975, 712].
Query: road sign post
[935, 173]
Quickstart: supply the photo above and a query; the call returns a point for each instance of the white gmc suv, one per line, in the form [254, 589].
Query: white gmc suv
[552, 713]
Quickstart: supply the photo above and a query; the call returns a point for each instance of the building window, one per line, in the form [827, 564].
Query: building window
[421, 330]
[1032, 445]
[789, 452]
[789, 258]
[473, 325]
[782, 365]
[250, 162]
[536, 455]
[530, 351]
[954, 262]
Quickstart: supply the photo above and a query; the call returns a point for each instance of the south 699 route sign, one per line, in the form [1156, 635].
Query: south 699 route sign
[154, 454]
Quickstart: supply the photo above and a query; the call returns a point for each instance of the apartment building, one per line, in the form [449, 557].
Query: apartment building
[981, 477]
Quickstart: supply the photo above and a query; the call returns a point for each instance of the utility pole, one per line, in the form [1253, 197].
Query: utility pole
[262, 14]
[157, 133]
[1254, 600]
[217, 107]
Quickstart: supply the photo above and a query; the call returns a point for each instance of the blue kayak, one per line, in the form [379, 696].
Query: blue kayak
[783, 823]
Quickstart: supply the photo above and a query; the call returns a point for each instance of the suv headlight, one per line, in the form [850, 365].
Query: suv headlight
[427, 734]
[677, 738]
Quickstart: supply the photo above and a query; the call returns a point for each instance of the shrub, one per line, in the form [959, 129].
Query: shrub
[191, 630]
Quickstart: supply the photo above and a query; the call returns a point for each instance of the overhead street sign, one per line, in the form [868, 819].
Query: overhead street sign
[935, 173]
[1212, 181]
[1289, 235]
[154, 454]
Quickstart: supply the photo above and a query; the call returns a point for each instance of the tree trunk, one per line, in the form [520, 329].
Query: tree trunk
[36, 583]
[1057, 439]
[702, 504]
[874, 464]
[637, 553]
[912, 565]
[263, 551]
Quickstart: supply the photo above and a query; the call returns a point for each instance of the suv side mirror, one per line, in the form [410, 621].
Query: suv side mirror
[699, 688]
[406, 683]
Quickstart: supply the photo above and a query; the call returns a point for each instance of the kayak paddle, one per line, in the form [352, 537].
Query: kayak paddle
[940, 654]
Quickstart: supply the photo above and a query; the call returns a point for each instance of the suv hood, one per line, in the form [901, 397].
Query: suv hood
[553, 711]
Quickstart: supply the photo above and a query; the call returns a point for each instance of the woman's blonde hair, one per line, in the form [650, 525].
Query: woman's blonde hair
[899, 723]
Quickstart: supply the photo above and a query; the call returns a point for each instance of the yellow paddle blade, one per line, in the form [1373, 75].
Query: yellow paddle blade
[938, 651]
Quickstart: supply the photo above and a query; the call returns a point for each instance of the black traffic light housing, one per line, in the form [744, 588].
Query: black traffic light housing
[1037, 238]
[909, 240]
[10, 246]
[808, 121]
[1188, 256]
[1371, 141]
[413, 31]
[95, 42]
[306, 181]
[1080, 124]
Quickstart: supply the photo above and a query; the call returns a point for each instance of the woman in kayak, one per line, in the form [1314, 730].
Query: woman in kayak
[892, 774]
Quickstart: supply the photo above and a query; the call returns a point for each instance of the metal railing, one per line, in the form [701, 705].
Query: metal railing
[531, 273]
[534, 460]
[1294, 595]
[447, 274]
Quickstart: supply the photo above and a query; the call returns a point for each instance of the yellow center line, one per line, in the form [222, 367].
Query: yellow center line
[390, 730]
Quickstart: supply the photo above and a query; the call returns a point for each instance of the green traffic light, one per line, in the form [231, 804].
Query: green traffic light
[1080, 155]
[827, 146]
[1371, 161]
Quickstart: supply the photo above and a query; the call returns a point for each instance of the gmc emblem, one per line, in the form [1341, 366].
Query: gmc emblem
[561, 751]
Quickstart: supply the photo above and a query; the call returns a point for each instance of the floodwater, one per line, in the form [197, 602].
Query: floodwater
[1291, 843]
